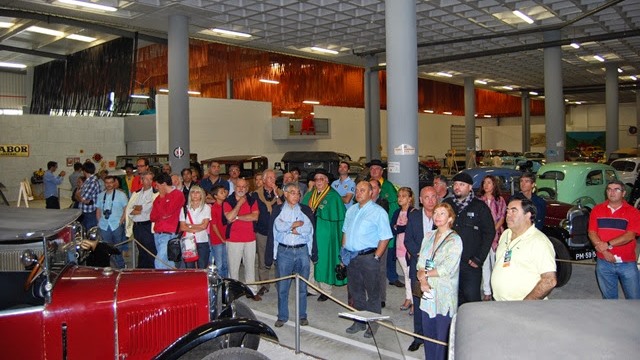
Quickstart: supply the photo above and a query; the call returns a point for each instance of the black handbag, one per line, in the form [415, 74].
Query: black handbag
[174, 252]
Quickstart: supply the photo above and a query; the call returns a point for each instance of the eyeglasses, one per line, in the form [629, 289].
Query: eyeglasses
[614, 189]
[293, 192]
[319, 179]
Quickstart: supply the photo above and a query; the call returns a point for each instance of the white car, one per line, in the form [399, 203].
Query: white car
[627, 169]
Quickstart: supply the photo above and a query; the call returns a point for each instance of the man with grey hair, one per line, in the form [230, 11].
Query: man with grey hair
[291, 244]
[441, 186]
[267, 197]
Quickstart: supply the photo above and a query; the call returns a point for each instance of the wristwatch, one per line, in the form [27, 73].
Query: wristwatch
[609, 247]
[376, 257]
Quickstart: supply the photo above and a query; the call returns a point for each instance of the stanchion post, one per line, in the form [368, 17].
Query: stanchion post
[297, 314]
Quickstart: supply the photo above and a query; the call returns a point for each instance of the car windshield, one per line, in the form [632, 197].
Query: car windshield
[624, 165]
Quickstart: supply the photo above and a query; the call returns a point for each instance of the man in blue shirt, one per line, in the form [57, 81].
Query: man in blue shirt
[344, 185]
[110, 212]
[290, 244]
[366, 233]
[51, 183]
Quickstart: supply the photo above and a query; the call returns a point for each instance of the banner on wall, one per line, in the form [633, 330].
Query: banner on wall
[14, 150]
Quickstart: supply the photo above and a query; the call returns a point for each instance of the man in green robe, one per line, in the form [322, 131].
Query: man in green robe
[329, 209]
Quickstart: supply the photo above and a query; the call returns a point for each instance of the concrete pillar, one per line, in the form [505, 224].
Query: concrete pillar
[470, 122]
[178, 39]
[28, 90]
[611, 105]
[373, 138]
[555, 122]
[526, 122]
[229, 87]
[402, 93]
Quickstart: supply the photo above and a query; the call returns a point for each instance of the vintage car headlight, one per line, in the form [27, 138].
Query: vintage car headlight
[28, 258]
[566, 224]
[94, 234]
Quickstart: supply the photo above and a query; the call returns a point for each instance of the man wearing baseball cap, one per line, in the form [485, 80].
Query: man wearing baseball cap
[475, 226]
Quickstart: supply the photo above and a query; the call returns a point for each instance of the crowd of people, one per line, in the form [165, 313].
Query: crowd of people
[458, 247]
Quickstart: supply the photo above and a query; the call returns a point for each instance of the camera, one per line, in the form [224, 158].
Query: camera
[341, 272]
[106, 214]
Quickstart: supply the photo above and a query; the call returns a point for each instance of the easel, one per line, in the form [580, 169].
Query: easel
[25, 193]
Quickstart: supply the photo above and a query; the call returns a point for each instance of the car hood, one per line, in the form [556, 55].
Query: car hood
[29, 223]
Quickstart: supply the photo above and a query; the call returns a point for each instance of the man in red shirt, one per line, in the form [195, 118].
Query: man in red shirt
[240, 212]
[613, 227]
[143, 166]
[165, 214]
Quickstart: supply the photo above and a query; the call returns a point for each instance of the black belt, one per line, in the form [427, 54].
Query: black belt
[166, 233]
[292, 246]
[143, 222]
[367, 251]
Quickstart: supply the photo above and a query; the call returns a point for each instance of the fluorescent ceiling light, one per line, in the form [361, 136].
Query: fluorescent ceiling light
[428, 111]
[163, 90]
[88, 5]
[81, 38]
[192, 92]
[288, 112]
[620, 70]
[10, 112]
[382, 64]
[578, 103]
[45, 31]
[444, 74]
[481, 82]
[447, 113]
[326, 51]
[138, 96]
[633, 78]
[311, 102]
[266, 81]
[507, 87]
[534, 93]
[12, 65]
[4, 24]
[522, 16]
[487, 116]
[312, 113]
[599, 58]
[231, 33]
[575, 45]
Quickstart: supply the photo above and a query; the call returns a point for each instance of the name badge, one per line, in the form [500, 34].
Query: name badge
[507, 258]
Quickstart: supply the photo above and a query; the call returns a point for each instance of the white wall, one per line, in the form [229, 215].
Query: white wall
[54, 138]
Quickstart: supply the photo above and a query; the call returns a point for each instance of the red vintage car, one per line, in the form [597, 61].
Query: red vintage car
[63, 310]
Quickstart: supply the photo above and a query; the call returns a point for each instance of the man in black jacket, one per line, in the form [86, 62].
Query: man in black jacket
[291, 244]
[418, 223]
[475, 226]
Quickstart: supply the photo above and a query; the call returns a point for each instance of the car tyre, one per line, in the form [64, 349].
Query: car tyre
[563, 269]
[236, 354]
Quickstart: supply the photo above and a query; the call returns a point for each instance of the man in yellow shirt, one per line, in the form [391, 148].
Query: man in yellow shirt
[525, 260]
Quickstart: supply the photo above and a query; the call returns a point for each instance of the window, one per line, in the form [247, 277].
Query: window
[594, 178]
[553, 175]
[610, 175]
[623, 165]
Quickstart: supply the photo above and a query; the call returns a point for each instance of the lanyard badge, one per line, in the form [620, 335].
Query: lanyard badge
[507, 258]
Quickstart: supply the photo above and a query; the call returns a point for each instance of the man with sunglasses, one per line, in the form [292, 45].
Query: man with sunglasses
[613, 227]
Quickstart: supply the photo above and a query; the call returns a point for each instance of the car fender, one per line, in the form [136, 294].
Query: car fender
[212, 330]
[557, 232]
[235, 289]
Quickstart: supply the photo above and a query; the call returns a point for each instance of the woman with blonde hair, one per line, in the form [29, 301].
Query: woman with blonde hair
[194, 221]
[398, 227]
[438, 270]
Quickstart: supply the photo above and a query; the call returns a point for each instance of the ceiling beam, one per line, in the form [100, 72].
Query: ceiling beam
[21, 14]
[32, 52]
[527, 47]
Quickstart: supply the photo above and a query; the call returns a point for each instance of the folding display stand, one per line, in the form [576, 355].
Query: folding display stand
[24, 193]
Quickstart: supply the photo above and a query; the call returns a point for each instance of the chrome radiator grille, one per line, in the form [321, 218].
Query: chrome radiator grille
[10, 255]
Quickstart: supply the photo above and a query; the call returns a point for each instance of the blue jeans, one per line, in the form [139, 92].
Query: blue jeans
[113, 237]
[219, 255]
[608, 275]
[161, 241]
[203, 257]
[292, 261]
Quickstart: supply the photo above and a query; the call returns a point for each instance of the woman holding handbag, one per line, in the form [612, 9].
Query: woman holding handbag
[438, 270]
[194, 222]
[398, 227]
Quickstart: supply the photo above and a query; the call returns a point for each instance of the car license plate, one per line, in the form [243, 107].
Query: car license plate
[584, 255]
